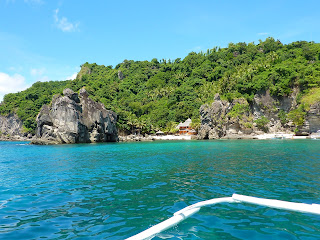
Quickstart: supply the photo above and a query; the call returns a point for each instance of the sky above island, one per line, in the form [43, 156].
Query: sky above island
[43, 40]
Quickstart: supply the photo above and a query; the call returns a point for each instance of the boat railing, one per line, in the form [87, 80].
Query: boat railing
[236, 198]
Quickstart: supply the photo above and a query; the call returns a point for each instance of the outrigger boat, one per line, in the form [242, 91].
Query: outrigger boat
[236, 198]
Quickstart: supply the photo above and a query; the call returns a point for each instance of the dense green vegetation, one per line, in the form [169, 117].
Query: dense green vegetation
[26, 104]
[262, 123]
[150, 95]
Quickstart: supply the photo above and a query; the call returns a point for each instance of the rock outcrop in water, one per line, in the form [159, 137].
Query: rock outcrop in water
[74, 118]
[240, 119]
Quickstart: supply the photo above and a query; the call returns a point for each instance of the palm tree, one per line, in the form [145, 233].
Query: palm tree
[140, 124]
[171, 127]
[132, 120]
[196, 124]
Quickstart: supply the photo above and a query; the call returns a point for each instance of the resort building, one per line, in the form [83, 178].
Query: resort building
[185, 128]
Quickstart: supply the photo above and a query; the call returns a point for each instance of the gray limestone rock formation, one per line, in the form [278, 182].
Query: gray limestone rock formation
[223, 118]
[11, 125]
[237, 119]
[312, 121]
[75, 119]
[313, 117]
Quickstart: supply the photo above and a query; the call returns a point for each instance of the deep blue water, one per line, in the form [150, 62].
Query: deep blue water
[115, 190]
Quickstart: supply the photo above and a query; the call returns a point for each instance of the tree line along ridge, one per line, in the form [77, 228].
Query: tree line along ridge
[157, 94]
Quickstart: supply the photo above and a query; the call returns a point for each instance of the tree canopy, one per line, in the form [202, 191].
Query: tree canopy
[152, 95]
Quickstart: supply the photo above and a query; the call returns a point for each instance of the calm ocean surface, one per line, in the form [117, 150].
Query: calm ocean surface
[115, 190]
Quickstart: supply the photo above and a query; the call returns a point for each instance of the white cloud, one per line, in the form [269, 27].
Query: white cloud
[38, 74]
[43, 79]
[9, 84]
[63, 24]
[72, 77]
[37, 71]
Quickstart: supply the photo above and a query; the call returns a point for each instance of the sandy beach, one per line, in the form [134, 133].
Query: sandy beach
[172, 137]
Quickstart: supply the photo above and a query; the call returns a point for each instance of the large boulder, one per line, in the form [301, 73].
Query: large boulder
[74, 118]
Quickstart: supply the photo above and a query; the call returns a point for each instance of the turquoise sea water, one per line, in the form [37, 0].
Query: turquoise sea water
[115, 190]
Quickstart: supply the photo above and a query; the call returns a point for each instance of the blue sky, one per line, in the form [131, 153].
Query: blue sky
[43, 40]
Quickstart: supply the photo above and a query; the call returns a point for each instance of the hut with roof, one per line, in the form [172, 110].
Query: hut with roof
[159, 133]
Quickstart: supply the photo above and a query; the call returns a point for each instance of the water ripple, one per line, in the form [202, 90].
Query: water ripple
[113, 191]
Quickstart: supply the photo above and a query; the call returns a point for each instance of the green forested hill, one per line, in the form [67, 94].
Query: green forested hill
[156, 94]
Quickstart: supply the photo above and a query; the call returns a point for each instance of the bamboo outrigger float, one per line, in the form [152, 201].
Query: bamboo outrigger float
[236, 198]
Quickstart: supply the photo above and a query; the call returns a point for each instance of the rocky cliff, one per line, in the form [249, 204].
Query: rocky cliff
[74, 118]
[11, 127]
[312, 120]
[241, 119]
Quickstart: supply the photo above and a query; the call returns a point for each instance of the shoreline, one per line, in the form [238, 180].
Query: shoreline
[151, 138]
[266, 136]
[138, 138]
[16, 139]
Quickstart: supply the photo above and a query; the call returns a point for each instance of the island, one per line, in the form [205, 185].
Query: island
[242, 91]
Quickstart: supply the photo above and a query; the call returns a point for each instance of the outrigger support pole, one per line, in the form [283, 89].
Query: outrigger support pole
[236, 198]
